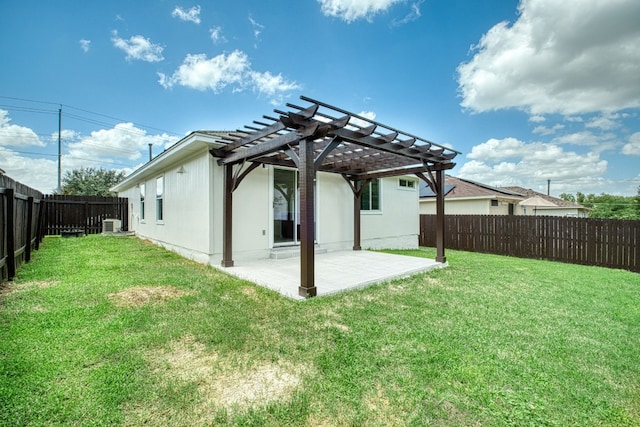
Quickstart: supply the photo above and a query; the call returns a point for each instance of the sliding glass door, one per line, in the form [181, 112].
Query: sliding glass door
[286, 207]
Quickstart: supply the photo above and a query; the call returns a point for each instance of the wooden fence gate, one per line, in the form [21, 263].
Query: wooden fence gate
[82, 213]
[589, 241]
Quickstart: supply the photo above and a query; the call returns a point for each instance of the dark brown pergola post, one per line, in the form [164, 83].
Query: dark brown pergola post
[307, 219]
[439, 184]
[227, 217]
[357, 196]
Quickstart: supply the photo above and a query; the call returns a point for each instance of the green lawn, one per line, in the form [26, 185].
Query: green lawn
[115, 331]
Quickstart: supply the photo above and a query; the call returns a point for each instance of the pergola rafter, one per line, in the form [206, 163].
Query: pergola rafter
[321, 137]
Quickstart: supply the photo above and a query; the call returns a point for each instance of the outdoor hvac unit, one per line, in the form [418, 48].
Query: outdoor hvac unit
[111, 225]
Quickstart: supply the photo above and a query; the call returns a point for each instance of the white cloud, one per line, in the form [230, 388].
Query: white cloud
[273, 86]
[568, 57]
[362, 123]
[123, 141]
[138, 47]
[604, 122]
[41, 174]
[217, 36]
[66, 135]
[632, 148]
[510, 161]
[85, 45]
[352, 10]
[413, 15]
[537, 119]
[192, 14]
[544, 130]
[586, 138]
[201, 73]
[257, 27]
[497, 149]
[15, 135]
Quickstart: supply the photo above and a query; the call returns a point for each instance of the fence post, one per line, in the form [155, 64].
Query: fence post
[11, 230]
[27, 249]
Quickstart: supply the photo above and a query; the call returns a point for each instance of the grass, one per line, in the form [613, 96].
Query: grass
[115, 331]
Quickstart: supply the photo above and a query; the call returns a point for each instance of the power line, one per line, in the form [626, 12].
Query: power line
[90, 112]
[72, 157]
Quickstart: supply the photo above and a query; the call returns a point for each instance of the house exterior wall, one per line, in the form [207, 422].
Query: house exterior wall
[185, 226]
[192, 212]
[396, 224]
[334, 212]
[458, 207]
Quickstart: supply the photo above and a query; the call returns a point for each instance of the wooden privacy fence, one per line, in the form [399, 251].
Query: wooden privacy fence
[82, 213]
[20, 225]
[589, 241]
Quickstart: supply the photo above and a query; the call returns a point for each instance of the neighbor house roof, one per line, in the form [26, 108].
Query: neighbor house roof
[555, 201]
[458, 187]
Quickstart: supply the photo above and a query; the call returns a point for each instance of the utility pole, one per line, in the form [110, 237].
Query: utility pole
[548, 187]
[150, 152]
[60, 149]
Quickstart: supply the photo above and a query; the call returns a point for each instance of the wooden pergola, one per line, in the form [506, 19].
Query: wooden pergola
[321, 137]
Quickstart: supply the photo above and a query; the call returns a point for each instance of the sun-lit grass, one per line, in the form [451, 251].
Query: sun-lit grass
[115, 331]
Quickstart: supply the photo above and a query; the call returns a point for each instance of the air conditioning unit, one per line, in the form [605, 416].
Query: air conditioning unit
[111, 225]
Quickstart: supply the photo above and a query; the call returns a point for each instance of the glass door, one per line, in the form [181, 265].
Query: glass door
[286, 207]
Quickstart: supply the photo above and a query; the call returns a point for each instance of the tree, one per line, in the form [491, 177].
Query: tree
[568, 197]
[607, 205]
[90, 182]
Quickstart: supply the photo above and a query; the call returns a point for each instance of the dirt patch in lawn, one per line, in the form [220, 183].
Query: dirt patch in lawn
[140, 295]
[222, 384]
[9, 287]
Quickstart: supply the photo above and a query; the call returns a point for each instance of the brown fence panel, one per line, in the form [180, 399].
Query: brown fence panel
[83, 213]
[20, 211]
[588, 241]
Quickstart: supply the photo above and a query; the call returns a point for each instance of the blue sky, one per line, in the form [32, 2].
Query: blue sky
[527, 90]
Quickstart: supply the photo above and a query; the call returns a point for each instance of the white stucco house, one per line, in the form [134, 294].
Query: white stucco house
[466, 197]
[176, 200]
[315, 178]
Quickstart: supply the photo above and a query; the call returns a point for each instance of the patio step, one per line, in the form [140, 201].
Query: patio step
[284, 252]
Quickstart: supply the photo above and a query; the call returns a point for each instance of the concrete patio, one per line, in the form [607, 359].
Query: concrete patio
[334, 271]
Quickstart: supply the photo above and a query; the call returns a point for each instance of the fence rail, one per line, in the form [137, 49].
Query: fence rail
[589, 241]
[21, 216]
[82, 213]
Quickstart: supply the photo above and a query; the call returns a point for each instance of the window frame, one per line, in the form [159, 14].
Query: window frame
[143, 195]
[367, 198]
[160, 199]
[409, 184]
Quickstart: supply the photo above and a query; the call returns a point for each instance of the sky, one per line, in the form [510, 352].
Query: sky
[530, 92]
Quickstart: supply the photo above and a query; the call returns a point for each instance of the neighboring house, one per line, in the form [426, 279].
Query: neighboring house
[540, 204]
[465, 197]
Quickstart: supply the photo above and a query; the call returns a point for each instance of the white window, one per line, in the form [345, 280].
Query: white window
[142, 196]
[406, 184]
[370, 200]
[160, 199]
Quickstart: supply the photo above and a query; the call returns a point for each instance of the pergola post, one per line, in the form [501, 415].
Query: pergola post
[357, 197]
[227, 217]
[439, 184]
[307, 219]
